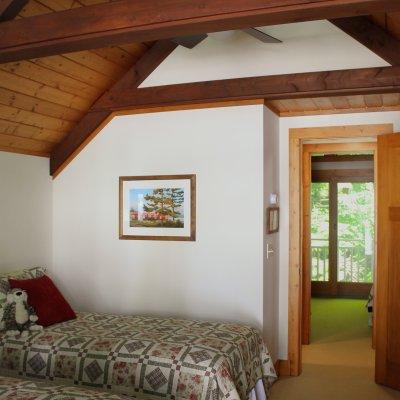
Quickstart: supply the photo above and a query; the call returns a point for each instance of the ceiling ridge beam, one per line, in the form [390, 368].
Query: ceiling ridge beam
[126, 21]
[94, 120]
[372, 36]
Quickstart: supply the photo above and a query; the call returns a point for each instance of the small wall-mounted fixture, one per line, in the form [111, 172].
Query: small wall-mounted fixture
[273, 199]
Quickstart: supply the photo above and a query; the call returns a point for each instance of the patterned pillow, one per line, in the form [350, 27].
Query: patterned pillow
[27, 273]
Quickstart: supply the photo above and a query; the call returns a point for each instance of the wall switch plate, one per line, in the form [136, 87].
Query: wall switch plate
[273, 199]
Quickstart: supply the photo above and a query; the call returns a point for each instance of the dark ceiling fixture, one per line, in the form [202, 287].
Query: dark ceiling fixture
[262, 36]
[189, 41]
[192, 41]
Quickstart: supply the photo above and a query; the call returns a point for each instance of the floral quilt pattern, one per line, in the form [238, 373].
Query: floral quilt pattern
[156, 357]
[22, 389]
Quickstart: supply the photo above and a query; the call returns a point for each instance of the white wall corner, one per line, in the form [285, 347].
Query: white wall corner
[270, 265]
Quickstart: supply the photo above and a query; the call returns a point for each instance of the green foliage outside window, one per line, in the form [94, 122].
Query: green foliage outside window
[355, 231]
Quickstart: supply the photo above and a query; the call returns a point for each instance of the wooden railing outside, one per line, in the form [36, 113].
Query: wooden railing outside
[353, 264]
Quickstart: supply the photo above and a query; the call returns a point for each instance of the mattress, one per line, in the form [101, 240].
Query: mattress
[133, 355]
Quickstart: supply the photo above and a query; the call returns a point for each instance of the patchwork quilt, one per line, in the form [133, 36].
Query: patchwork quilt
[21, 389]
[154, 357]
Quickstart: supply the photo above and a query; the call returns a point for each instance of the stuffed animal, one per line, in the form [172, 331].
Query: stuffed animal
[19, 317]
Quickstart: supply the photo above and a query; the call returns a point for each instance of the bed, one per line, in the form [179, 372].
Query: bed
[22, 389]
[139, 355]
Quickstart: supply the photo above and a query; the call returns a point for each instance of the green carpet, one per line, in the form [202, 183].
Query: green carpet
[335, 320]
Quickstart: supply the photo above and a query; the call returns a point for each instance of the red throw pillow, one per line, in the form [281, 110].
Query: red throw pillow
[48, 302]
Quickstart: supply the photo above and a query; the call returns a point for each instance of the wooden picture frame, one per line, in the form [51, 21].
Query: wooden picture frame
[157, 207]
[272, 219]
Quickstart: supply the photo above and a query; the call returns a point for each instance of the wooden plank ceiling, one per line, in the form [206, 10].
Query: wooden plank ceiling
[43, 99]
[335, 105]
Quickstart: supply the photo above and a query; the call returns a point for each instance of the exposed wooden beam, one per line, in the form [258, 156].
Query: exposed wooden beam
[371, 35]
[128, 21]
[311, 84]
[125, 95]
[333, 158]
[94, 120]
[9, 9]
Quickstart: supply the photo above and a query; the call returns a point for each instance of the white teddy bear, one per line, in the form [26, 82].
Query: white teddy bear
[18, 317]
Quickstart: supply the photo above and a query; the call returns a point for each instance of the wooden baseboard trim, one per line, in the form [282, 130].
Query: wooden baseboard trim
[282, 367]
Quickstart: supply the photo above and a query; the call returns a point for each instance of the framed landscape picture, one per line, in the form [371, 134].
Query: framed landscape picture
[161, 207]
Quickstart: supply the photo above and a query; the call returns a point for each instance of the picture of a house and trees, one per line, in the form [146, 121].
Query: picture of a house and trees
[157, 208]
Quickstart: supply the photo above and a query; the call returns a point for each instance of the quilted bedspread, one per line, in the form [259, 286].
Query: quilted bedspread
[21, 389]
[147, 356]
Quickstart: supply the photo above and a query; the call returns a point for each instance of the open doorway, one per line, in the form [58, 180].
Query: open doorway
[342, 198]
[338, 238]
[341, 256]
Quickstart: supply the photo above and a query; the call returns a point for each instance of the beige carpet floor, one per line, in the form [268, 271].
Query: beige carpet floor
[339, 362]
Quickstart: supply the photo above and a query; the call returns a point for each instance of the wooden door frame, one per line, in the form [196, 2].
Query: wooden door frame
[297, 138]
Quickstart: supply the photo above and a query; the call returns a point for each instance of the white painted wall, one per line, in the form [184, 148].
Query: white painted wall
[220, 276]
[307, 46]
[271, 265]
[301, 122]
[25, 212]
